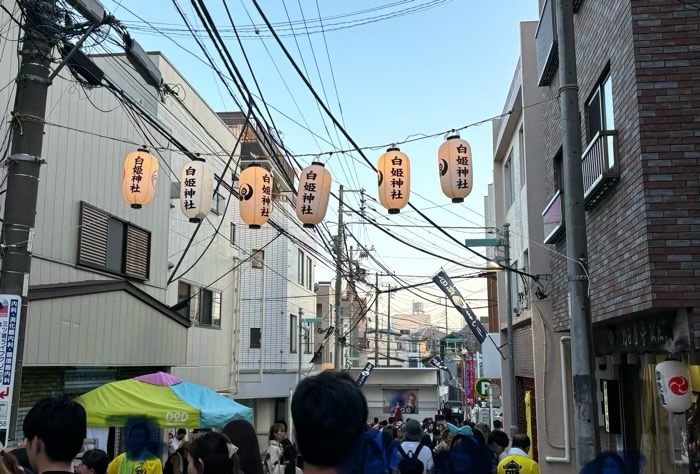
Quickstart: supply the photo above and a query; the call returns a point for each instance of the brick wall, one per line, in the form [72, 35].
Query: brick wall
[644, 235]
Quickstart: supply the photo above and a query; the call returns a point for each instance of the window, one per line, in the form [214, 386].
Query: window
[255, 338]
[559, 170]
[113, 245]
[309, 274]
[232, 234]
[217, 204]
[508, 181]
[293, 334]
[184, 291]
[513, 286]
[308, 340]
[257, 258]
[300, 268]
[599, 109]
[521, 150]
[204, 308]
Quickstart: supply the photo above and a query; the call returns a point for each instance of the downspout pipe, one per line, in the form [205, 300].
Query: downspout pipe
[564, 404]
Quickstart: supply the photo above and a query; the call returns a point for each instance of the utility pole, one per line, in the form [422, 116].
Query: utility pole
[23, 169]
[301, 316]
[339, 281]
[388, 328]
[351, 285]
[376, 321]
[511, 339]
[584, 403]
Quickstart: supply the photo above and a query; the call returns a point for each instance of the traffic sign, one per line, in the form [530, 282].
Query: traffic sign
[481, 387]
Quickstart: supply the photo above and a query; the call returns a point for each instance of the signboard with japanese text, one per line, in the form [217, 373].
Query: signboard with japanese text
[394, 175]
[469, 377]
[10, 308]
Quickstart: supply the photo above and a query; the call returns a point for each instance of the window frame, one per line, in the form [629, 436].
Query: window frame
[293, 333]
[307, 340]
[300, 267]
[257, 258]
[232, 234]
[309, 273]
[521, 151]
[195, 307]
[252, 332]
[508, 188]
[598, 102]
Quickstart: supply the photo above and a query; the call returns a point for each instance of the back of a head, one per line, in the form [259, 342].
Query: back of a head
[9, 464]
[97, 460]
[182, 431]
[243, 436]
[521, 441]
[484, 428]
[212, 448]
[61, 424]
[329, 412]
[500, 438]
[497, 425]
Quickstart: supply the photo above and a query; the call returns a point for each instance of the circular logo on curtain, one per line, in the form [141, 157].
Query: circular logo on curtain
[678, 385]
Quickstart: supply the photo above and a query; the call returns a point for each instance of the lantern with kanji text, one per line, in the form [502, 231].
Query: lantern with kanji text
[314, 193]
[673, 384]
[394, 175]
[196, 189]
[139, 178]
[255, 190]
[455, 165]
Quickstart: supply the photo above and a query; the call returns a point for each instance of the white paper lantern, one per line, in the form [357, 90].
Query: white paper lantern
[313, 194]
[196, 189]
[455, 165]
[139, 178]
[255, 189]
[394, 175]
[673, 384]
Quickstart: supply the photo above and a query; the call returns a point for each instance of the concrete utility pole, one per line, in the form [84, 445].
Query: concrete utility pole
[511, 339]
[388, 328]
[585, 409]
[339, 281]
[376, 321]
[23, 169]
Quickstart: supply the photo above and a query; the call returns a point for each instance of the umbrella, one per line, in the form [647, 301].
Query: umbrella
[161, 400]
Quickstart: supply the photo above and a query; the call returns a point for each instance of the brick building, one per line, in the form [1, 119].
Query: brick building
[638, 69]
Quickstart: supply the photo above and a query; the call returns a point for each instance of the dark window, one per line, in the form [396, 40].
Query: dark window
[255, 338]
[309, 274]
[184, 291]
[204, 307]
[521, 151]
[300, 267]
[559, 170]
[599, 109]
[113, 245]
[293, 333]
[308, 336]
[206, 299]
[232, 234]
[508, 177]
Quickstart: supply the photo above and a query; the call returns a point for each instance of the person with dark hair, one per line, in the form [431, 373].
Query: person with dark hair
[518, 461]
[94, 461]
[498, 425]
[20, 454]
[213, 453]
[275, 451]
[137, 459]
[9, 462]
[329, 412]
[290, 462]
[498, 444]
[412, 448]
[242, 434]
[55, 429]
[612, 463]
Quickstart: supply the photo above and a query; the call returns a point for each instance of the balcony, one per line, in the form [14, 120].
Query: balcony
[601, 168]
[553, 219]
[546, 44]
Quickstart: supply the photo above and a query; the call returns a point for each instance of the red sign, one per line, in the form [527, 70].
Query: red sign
[469, 377]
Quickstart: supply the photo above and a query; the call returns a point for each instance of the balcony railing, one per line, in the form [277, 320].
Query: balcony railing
[546, 44]
[553, 219]
[600, 165]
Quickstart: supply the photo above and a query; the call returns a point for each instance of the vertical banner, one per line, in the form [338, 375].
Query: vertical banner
[9, 330]
[469, 378]
[364, 375]
[443, 281]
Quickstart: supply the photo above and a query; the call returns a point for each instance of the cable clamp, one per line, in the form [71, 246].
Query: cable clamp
[25, 157]
[578, 278]
[35, 78]
[566, 87]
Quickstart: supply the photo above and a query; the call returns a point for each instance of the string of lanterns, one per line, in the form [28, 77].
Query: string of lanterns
[313, 194]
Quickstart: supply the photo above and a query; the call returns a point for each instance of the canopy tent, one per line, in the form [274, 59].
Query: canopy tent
[161, 400]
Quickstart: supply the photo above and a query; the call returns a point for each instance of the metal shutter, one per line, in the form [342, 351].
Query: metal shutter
[92, 243]
[138, 250]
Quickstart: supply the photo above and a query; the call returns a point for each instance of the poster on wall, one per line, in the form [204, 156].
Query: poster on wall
[405, 400]
[10, 306]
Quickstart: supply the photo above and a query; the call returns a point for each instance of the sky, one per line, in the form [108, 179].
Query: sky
[447, 64]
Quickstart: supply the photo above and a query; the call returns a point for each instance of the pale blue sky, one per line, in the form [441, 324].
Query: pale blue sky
[427, 72]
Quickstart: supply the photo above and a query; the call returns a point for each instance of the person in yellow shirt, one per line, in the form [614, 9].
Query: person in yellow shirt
[137, 459]
[518, 461]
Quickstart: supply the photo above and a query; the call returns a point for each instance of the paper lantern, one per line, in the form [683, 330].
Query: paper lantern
[314, 192]
[455, 165]
[139, 178]
[394, 174]
[196, 189]
[673, 383]
[255, 189]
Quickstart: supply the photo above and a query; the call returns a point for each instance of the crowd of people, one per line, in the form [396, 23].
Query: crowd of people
[331, 436]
